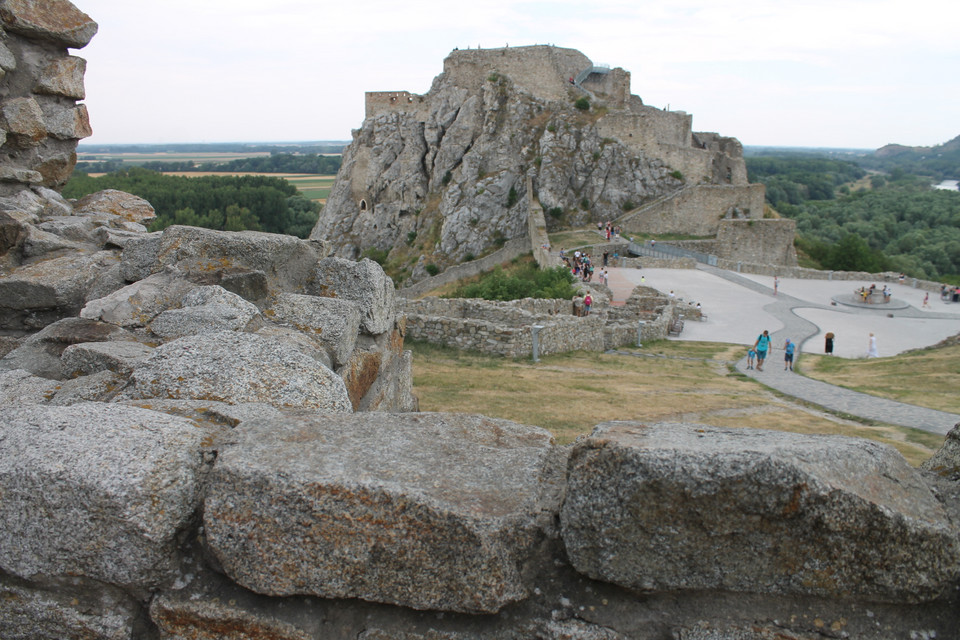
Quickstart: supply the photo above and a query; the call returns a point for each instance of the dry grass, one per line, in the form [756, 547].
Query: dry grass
[570, 393]
[928, 378]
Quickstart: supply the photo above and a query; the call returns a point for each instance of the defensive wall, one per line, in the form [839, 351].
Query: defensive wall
[506, 328]
[765, 241]
[378, 102]
[696, 210]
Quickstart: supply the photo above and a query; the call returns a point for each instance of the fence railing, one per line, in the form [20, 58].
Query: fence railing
[661, 250]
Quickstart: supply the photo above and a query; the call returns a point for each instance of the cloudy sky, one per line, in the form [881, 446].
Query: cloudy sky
[809, 73]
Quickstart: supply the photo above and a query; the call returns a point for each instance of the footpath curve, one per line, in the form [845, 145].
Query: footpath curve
[820, 393]
[782, 308]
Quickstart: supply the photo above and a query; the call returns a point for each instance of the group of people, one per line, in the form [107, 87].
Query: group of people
[609, 230]
[763, 345]
[582, 268]
[758, 353]
[865, 293]
[949, 294]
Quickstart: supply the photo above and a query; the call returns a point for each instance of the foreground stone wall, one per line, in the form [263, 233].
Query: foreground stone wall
[41, 119]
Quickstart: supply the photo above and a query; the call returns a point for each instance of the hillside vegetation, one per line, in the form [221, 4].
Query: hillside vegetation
[226, 203]
[847, 219]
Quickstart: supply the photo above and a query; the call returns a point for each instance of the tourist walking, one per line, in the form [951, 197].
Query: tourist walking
[761, 346]
[587, 301]
[872, 348]
[828, 343]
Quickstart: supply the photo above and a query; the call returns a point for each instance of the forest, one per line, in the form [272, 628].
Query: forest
[227, 203]
[275, 163]
[848, 218]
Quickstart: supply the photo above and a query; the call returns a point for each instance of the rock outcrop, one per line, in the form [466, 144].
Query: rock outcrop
[445, 174]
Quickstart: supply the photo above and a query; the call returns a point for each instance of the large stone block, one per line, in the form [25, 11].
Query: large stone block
[205, 310]
[332, 322]
[136, 305]
[675, 506]
[63, 77]
[946, 461]
[54, 20]
[125, 205]
[28, 613]
[40, 353]
[96, 490]
[287, 262]
[429, 511]
[236, 368]
[362, 282]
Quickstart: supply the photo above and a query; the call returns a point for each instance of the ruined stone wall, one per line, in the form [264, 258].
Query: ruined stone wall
[765, 241]
[512, 249]
[380, 102]
[41, 118]
[542, 70]
[697, 210]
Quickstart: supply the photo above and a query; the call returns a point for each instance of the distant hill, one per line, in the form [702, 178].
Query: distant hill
[941, 162]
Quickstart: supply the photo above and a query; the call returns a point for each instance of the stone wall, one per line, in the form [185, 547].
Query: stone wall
[380, 102]
[41, 119]
[767, 241]
[512, 249]
[542, 70]
[697, 210]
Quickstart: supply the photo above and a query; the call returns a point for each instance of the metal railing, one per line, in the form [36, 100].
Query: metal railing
[661, 250]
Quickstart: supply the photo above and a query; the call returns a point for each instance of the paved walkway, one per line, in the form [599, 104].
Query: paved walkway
[740, 306]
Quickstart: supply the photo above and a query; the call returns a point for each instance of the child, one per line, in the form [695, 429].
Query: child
[751, 354]
[788, 349]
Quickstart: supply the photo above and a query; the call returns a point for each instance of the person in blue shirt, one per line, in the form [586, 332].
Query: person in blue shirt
[788, 349]
[761, 346]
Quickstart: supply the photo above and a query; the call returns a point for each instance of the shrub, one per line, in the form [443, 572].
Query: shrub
[555, 212]
[432, 269]
[511, 197]
[582, 103]
[411, 236]
[676, 174]
[551, 127]
[525, 282]
[377, 255]
[628, 205]
[584, 204]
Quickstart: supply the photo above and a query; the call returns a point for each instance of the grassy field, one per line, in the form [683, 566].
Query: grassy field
[672, 382]
[168, 157]
[929, 378]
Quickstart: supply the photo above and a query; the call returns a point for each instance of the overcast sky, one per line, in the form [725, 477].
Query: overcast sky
[810, 73]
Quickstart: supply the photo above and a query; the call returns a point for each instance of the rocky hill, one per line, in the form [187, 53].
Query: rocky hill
[443, 174]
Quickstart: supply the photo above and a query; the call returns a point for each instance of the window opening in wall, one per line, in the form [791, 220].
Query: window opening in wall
[363, 205]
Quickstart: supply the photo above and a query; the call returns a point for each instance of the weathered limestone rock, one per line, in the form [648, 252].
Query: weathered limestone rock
[96, 490]
[674, 506]
[362, 282]
[136, 305]
[119, 203]
[430, 511]
[54, 20]
[23, 118]
[19, 387]
[44, 614]
[331, 321]
[236, 368]
[41, 293]
[206, 310]
[40, 353]
[946, 461]
[287, 262]
[91, 357]
[102, 386]
[63, 77]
